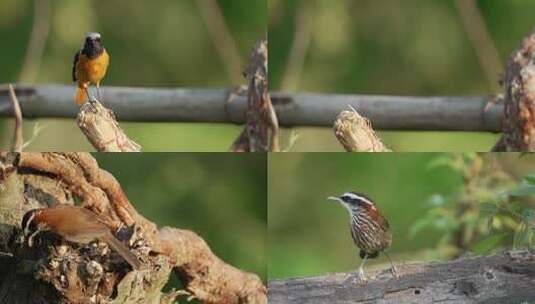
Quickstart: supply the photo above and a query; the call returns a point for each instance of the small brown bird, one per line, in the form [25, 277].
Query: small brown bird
[74, 224]
[369, 228]
[89, 66]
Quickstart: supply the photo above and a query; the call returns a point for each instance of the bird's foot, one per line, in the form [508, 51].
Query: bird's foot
[359, 278]
[92, 99]
[394, 271]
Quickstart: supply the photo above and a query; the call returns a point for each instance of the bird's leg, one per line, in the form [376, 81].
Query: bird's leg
[360, 273]
[98, 91]
[393, 268]
[89, 97]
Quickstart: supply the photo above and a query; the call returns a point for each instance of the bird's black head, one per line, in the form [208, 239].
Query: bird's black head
[93, 45]
[353, 199]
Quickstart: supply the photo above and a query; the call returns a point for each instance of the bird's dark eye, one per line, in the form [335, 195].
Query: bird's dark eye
[346, 198]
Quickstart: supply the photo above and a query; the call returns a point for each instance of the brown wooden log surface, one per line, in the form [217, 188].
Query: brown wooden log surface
[502, 278]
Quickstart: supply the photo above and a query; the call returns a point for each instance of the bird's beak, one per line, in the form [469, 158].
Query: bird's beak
[334, 198]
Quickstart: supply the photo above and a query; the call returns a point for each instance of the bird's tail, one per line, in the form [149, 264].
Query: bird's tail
[121, 249]
[80, 97]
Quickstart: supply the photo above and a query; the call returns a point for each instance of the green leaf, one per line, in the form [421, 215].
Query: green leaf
[530, 179]
[523, 190]
[488, 208]
[488, 244]
[528, 215]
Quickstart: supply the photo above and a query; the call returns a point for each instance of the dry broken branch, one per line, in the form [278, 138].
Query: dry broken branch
[356, 134]
[519, 113]
[262, 127]
[17, 142]
[102, 130]
[56, 272]
[505, 278]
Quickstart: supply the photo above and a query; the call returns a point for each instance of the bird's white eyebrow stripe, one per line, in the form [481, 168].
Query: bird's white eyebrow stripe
[27, 228]
[93, 35]
[358, 197]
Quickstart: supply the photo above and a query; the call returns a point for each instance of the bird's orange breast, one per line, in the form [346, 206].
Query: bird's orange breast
[92, 70]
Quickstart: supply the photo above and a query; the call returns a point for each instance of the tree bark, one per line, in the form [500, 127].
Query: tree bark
[504, 278]
[519, 114]
[356, 134]
[102, 130]
[56, 271]
[261, 133]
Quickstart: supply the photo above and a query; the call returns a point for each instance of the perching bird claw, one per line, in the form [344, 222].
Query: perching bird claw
[358, 278]
[394, 271]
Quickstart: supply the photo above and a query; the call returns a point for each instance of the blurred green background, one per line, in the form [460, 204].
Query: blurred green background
[308, 235]
[221, 197]
[391, 47]
[161, 43]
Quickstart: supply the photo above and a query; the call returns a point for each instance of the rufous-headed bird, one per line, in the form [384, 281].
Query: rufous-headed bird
[89, 66]
[74, 224]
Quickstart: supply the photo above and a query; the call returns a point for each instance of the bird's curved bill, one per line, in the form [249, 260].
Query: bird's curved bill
[334, 198]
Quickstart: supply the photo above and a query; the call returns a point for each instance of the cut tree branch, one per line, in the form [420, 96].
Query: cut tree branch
[53, 271]
[356, 134]
[102, 130]
[261, 132]
[504, 278]
[293, 110]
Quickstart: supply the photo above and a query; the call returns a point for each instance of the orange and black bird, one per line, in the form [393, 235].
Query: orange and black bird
[89, 66]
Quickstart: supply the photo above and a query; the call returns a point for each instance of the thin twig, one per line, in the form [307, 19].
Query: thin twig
[37, 41]
[299, 48]
[16, 144]
[223, 41]
[479, 37]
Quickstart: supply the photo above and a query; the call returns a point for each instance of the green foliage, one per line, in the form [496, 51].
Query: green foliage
[488, 212]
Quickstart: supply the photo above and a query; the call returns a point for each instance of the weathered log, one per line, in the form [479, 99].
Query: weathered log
[503, 278]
